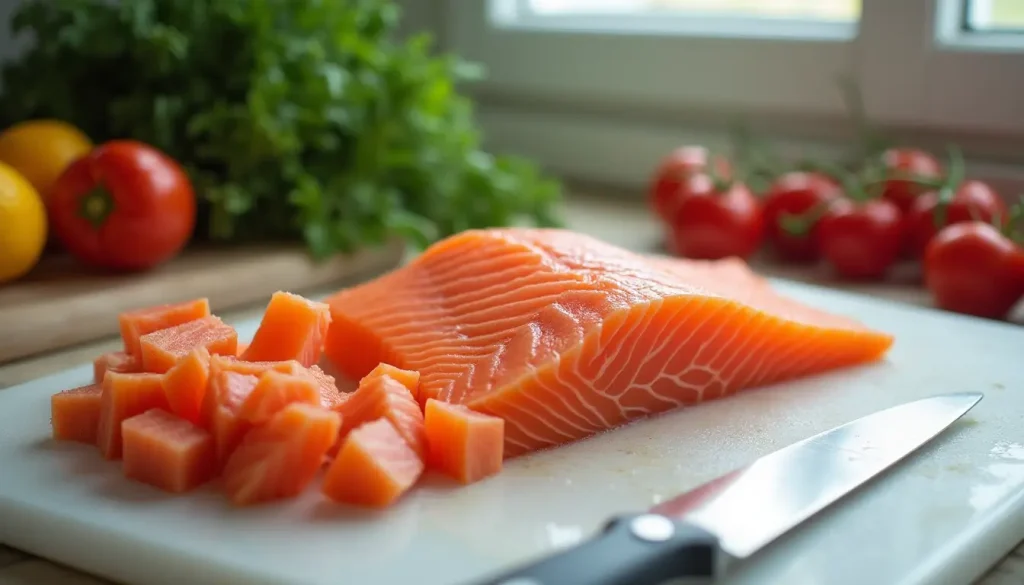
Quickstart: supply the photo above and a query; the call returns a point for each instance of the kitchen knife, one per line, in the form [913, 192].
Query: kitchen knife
[697, 534]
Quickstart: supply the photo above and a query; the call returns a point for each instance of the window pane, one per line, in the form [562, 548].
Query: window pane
[995, 15]
[841, 10]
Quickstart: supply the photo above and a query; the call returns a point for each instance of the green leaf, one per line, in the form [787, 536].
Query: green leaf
[303, 120]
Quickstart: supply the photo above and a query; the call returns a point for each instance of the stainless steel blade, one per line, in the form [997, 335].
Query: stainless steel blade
[754, 505]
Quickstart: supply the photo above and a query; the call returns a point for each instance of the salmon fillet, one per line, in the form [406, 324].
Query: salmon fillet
[564, 336]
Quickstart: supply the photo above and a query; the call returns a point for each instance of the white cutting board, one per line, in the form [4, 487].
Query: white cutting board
[943, 516]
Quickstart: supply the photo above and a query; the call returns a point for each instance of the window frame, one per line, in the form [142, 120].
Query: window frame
[549, 94]
[925, 71]
[770, 71]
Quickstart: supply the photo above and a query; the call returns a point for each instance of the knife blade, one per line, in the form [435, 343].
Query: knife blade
[698, 534]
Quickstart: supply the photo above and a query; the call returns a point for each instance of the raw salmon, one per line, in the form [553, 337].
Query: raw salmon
[124, 396]
[384, 397]
[407, 378]
[242, 346]
[75, 414]
[135, 324]
[115, 361]
[219, 363]
[330, 396]
[161, 349]
[167, 452]
[465, 445]
[564, 336]
[293, 328]
[224, 397]
[374, 467]
[279, 459]
[274, 391]
[185, 384]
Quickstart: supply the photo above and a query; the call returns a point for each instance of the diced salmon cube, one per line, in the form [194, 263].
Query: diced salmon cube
[383, 396]
[186, 382]
[242, 346]
[463, 444]
[220, 363]
[75, 414]
[292, 328]
[374, 467]
[115, 361]
[274, 391]
[124, 396]
[162, 349]
[281, 458]
[167, 452]
[224, 397]
[330, 396]
[135, 324]
[408, 378]
[351, 347]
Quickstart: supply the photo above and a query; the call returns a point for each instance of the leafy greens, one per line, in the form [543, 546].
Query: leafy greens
[295, 118]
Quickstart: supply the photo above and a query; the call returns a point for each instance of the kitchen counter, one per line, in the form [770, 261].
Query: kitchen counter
[615, 220]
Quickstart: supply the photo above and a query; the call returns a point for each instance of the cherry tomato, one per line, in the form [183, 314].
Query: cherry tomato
[861, 239]
[796, 193]
[123, 206]
[973, 200]
[972, 268]
[712, 223]
[680, 163]
[907, 161]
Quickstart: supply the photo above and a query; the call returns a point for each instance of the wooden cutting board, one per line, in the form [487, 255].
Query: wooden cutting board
[62, 304]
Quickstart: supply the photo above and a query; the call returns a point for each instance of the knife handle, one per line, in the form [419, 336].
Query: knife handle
[639, 549]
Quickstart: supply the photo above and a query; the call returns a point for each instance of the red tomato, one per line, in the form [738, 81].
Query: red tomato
[796, 193]
[973, 200]
[124, 206]
[673, 170]
[972, 268]
[712, 224]
[907, 161]
[861, 239]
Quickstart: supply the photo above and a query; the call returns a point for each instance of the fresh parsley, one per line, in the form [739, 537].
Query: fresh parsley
[296, 119]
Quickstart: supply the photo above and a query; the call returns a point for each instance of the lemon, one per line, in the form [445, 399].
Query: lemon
[41, 149]
[22, 224]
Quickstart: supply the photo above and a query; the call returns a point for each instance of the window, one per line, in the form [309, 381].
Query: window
[827, 10]
[994, 16]
[628, 79]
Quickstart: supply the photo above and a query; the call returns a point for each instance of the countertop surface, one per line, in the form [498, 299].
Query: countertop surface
[620, 222]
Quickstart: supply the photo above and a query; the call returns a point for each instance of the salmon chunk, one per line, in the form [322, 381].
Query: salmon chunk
[563, 336]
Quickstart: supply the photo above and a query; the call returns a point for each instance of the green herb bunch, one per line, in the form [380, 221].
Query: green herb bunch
[295, 118]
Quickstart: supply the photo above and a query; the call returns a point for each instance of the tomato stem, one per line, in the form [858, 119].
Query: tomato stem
[720, 183]
[871, 142]
[828, 169]
[96, 206]
[1012, 229]
[949, 186]
[800, 224]
[875, 175]
[853, 185]
[756, 163]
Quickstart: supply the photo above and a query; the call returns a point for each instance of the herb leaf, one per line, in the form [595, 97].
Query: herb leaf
[301, 119]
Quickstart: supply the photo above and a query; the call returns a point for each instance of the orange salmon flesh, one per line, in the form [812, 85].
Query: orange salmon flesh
[564, 336]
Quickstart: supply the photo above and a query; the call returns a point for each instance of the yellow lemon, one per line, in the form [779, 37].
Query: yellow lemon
[22, 224]
[41, 149]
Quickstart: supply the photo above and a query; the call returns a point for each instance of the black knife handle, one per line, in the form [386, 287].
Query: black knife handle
[640, 549]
